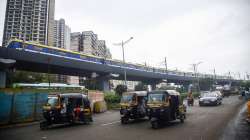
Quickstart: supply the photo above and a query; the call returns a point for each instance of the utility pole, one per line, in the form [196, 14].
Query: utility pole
[194, 69]
[214, 76]
[48, 73]
[229, 75]
[166, 67]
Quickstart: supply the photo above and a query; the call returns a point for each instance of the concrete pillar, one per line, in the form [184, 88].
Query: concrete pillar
[2, 79]
[153, 86]
[103, 84]
[186, 86]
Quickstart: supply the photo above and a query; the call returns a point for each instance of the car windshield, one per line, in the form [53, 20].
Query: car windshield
[127, 98]
[53, 101]
[156, 98]
[209, 95]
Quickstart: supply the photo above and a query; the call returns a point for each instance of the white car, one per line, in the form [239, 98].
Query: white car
[218, 93]
[210, 99]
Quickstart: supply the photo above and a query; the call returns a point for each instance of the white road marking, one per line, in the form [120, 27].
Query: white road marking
[105, 124]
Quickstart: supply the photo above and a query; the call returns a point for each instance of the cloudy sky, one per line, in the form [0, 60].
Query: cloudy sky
[216, 32]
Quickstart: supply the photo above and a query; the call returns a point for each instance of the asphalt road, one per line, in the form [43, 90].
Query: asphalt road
[202, 123]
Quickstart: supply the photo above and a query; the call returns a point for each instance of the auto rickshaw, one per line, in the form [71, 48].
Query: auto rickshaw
[133, 106]
[165, 106]
[66, 108]
[248, 112]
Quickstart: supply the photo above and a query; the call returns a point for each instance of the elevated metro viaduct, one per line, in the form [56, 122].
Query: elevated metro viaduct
[21, 56]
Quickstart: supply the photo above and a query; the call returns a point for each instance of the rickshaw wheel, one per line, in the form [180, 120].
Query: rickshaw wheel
[155, 124]
[182, 118]
[124, 120]
[43, 125]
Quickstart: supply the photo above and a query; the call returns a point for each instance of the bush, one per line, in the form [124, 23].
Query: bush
[112, 100]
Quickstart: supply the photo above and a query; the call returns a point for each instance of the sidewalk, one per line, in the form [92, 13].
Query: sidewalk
[19, 125]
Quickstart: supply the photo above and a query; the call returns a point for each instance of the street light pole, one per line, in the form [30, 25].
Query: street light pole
[122, 44]
[125, 72]
[195, 67]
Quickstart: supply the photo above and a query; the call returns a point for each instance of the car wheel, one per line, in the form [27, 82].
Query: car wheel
[182, 118]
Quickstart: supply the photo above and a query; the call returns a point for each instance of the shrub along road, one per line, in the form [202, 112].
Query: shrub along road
[202, 123]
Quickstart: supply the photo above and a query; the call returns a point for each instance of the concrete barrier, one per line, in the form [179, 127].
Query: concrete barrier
[100, 106]
[95, 96]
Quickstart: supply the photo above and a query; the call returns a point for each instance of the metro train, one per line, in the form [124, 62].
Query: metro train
[35, 47]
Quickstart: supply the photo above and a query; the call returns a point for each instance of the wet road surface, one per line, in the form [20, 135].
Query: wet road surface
[202, 123]
[238, 128]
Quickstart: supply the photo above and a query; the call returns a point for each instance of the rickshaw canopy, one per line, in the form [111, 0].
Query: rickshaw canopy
[72, 95]
[137, 93]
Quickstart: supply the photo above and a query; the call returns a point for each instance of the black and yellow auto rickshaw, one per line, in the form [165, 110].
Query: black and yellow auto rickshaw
[66, 108]
[133, 105]
[164, 106]
[248, 112]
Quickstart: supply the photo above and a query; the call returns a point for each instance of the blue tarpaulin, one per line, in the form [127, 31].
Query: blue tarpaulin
[5, 107]
[21, 107]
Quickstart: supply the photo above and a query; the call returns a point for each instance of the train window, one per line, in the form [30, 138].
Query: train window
[45, 50]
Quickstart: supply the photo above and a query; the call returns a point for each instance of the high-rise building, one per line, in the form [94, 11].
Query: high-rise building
[87, 43]
[61, 34]
[51, 17]
[29, 20]
[67, 37]
[75, 41]
[102, 49]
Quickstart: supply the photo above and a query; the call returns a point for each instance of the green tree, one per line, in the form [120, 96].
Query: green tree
[245, 84]
[206, 84]
[120, 89]
[28, 77]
